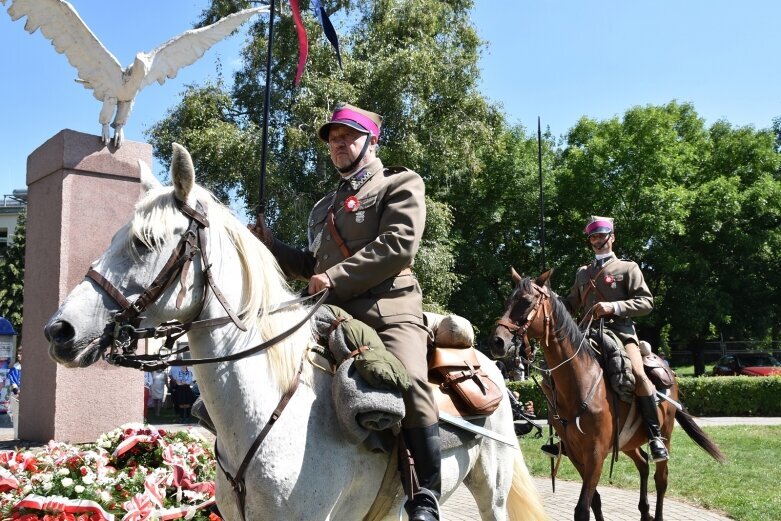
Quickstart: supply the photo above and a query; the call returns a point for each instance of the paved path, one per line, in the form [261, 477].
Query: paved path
[617, 504]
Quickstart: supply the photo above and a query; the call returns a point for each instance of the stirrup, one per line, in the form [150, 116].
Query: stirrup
[423, 506]
[658, 450]
[552, 449]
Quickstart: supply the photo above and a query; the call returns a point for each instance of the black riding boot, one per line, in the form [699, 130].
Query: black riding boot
[650, 416]
[424, 444]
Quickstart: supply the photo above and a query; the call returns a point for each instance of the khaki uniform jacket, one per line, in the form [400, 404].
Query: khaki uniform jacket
[617, 281]
[382, 234]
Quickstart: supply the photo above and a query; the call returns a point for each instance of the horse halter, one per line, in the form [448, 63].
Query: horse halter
[123, 327]
[520, 331]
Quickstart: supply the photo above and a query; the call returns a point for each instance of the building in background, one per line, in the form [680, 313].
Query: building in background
[12, 206]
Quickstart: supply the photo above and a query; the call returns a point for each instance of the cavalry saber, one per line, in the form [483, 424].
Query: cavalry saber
[476, 429]
[677, 404]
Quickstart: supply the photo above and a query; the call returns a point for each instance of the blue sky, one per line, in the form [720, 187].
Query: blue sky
[557, 59]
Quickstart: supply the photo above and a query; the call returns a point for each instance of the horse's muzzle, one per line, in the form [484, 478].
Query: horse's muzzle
[500, 347]
[64, 349]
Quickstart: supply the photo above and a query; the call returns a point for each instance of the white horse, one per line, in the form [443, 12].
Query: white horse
[303, 469]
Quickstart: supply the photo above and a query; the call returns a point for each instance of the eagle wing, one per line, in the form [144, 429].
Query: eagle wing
[181, 51]
[58, 21]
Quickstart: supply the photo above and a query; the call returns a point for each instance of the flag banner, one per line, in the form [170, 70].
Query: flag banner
[328, 28]
[303, 44]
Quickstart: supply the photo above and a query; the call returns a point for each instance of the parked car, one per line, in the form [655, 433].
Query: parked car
[748, 364]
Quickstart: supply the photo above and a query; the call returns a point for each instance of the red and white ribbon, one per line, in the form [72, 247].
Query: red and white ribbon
[63, 504]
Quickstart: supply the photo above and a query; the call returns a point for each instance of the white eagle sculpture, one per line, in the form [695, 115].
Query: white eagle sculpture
[100, 71]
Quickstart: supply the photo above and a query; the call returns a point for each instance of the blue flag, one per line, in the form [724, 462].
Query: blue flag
[328, 28]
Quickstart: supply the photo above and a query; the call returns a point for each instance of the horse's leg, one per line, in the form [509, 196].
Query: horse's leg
[596, 506]
[590, 473]
[642, 468]
[489, 480]
[660, 479]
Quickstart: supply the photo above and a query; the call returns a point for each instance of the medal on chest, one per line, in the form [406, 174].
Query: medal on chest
[360, 215]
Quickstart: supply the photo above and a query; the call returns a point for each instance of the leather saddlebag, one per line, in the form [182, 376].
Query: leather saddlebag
[658, 371]
[460, 374]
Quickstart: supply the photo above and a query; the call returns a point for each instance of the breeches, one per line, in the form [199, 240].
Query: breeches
[407, 341]
[643, 386]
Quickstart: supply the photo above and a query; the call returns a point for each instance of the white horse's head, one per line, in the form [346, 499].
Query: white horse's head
[84, 326]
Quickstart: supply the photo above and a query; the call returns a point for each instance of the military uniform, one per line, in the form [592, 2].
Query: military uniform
[380, 214]
[615, 280]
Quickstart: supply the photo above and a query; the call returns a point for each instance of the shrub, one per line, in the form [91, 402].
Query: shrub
[702, 396]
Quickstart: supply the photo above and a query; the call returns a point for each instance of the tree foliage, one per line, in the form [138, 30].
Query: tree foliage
[413, 61]
[12, 276]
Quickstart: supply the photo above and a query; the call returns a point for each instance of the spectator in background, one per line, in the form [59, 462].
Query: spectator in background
[147, 386]
[181, 392]
[14, 377]
[157, 391]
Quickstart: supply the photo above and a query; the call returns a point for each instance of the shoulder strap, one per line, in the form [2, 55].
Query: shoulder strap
[335, 234]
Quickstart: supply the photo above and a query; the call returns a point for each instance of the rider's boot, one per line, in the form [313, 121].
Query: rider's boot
[648, 411]
[424, 445]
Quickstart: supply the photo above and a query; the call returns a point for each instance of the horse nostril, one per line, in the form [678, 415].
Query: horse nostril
[59, 332]
[498, 343]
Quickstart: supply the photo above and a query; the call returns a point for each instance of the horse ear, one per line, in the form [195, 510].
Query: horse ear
[544, 279]
[148, 180]
[514, 274]
[182, 172]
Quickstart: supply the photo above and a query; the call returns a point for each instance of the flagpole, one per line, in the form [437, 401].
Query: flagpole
[542, 261]
[542, 193]
[260, 210]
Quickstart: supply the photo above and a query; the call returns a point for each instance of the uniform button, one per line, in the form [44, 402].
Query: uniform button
[328, 237]
[325, 257]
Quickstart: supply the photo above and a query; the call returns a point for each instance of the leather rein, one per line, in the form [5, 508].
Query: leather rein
[123, 332]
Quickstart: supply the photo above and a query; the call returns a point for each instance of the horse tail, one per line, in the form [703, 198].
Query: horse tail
[524, 502]
[698, 435]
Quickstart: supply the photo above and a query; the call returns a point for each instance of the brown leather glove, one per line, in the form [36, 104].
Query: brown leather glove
[260, 231]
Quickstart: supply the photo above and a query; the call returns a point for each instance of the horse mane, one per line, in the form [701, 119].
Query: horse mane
[263, 284]
[566, 327]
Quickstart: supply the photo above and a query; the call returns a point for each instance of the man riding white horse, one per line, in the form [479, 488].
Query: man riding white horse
[614, 289]
[363, 238]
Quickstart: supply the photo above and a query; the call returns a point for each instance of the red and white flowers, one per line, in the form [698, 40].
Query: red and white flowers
[132, 473]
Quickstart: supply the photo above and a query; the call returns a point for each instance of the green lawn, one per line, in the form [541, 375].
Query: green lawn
[747, 487]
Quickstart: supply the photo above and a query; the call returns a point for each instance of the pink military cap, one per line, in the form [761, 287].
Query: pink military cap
[352, 116]
[597, 224]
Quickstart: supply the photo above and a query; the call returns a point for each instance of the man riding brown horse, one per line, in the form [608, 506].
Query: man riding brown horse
[614, 290]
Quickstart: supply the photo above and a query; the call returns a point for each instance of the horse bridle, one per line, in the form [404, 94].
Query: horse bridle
[520, 330]
[123, 330]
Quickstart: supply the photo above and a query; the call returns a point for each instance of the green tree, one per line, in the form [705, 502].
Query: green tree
[414, 61]
[12, 276]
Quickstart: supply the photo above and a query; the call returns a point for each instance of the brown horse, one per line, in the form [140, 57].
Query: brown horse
[584, 412]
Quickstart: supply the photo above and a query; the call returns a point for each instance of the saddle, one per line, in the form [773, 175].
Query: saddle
[618, 368]
[655, 368]
[465, 389]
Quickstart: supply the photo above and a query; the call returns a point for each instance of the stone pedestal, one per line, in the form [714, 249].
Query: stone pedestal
[80, 192]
